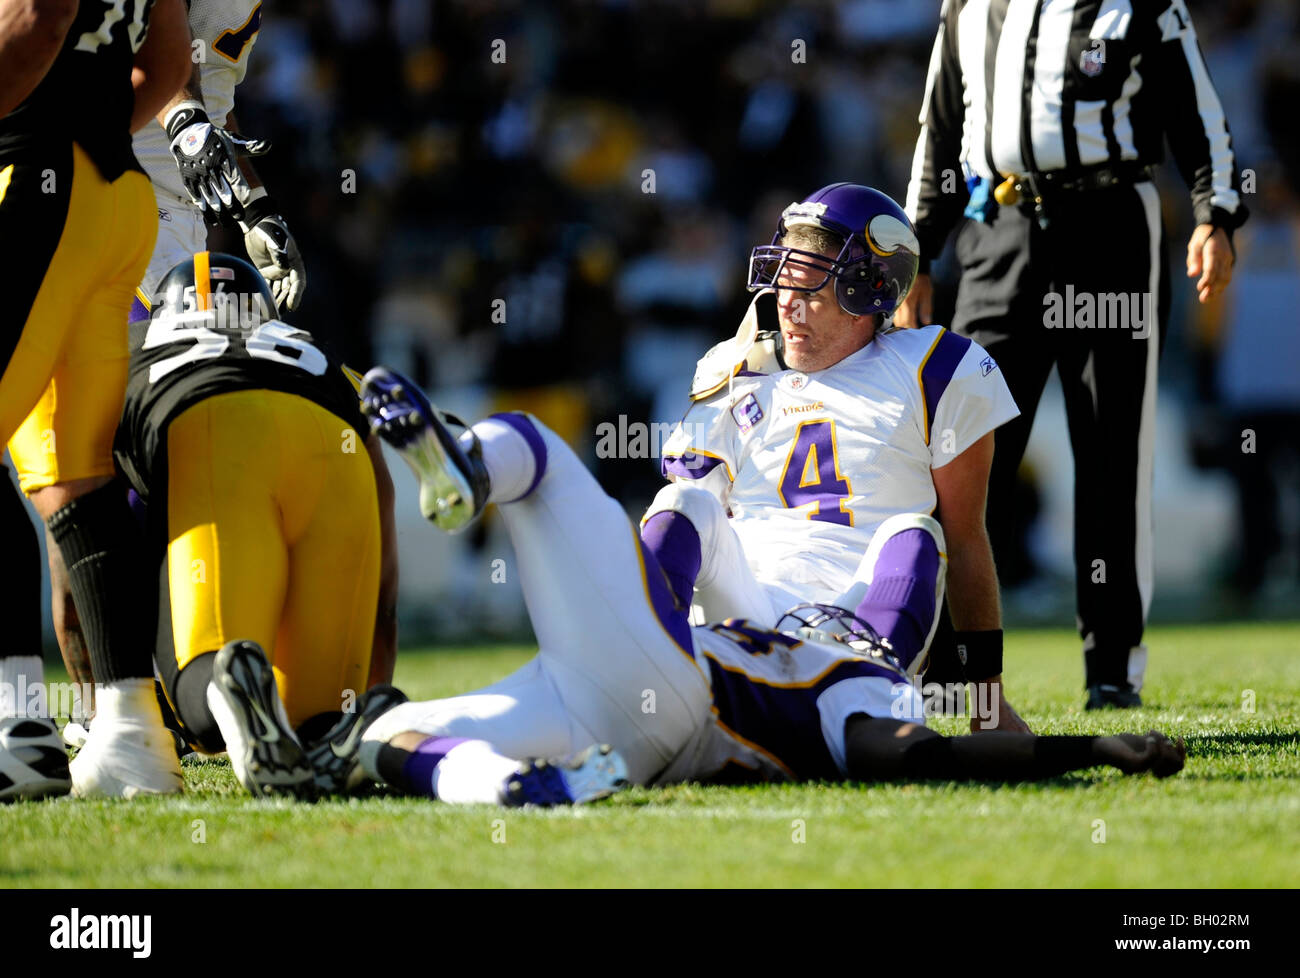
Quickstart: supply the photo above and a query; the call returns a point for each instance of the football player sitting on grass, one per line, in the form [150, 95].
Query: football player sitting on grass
[803, 445]
[624, 690]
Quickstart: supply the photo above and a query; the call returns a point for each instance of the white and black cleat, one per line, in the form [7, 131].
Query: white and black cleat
[595, 773]
[453, 482]
[335, 757]
[264, 751]
[33, 760]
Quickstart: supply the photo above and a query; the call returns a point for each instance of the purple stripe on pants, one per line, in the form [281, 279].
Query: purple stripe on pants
[672, 539]
[900, 603]
[525, 427]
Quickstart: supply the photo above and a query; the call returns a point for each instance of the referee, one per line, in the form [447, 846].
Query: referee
[1039, 127]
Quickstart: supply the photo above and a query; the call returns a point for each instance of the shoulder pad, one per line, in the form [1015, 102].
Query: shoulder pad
[747, 350]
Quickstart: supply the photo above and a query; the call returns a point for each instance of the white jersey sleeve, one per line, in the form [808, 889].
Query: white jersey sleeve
[966, 396]
[224, 33]
[706, 447]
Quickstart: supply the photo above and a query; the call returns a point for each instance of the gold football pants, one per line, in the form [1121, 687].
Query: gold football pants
[273, 536]
[73, 247]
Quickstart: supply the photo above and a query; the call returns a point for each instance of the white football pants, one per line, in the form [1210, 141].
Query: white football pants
[616, 661]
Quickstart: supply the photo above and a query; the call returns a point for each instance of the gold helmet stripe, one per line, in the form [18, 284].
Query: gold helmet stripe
[202, 280]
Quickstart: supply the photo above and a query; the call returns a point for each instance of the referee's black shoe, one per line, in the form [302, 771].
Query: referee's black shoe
[1105, 696]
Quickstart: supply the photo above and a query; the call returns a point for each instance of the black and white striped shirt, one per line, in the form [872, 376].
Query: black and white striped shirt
[1021, 86]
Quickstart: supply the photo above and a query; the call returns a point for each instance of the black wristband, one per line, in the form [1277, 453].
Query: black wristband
[258, 209]
[980, 654]
[183, 118]
[1056, 755]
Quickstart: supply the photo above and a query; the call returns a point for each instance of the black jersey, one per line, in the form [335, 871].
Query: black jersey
[174, 367]
[86, 97]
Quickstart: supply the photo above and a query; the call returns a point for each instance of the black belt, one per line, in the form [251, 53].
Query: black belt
[1092, 178]
[1027, 190]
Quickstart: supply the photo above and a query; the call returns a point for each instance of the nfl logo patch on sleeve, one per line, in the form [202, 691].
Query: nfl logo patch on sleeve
[747, 413]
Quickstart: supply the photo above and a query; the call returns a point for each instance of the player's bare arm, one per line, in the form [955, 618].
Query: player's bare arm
[961, 487]
[163, 62]
[882, 749]
[383, 657]
[31, 35]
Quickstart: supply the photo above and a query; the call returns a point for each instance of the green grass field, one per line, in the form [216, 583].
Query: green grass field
[1221, 823]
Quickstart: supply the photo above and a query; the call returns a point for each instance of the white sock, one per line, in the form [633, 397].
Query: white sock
[18, 673]
[472, 772]
[132, 700]
[508, 458]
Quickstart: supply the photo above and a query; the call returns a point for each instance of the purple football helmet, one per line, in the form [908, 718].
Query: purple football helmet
[876, 265]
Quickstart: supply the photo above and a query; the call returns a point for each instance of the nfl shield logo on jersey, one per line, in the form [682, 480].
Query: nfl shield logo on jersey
[1092, 61]
[747, 413]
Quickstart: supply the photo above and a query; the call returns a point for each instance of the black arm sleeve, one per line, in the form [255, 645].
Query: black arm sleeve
[936, 193]
[1195, 124]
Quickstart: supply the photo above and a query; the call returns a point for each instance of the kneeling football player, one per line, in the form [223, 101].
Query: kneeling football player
[240, 436]
[620, 666]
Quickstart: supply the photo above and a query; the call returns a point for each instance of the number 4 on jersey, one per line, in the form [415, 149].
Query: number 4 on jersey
[812, 475]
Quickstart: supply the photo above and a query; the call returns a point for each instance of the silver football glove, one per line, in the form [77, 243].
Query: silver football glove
[207, 156]
[275, 254]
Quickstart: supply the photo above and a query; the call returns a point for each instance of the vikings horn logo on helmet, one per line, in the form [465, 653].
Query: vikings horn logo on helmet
[877, 261]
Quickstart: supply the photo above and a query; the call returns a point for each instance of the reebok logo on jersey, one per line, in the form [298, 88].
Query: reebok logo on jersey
[987, 366]
[747, 413]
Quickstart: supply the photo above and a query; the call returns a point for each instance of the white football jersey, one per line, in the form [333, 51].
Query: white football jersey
[228, 30]
[810, 464]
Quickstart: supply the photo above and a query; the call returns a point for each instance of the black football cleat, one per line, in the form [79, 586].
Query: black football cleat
[335, 756]
[1104, 696]
[265, 753]
[595, 773]
[453, 482]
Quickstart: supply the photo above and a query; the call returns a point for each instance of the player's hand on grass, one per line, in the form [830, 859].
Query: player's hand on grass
[917, 308]
[275, 254]
[1135, 753]
[207, 157]
[1002, 716]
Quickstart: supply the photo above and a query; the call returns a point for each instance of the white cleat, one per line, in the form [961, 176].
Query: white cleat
[76, 733]
[453, 481]
[33, 760]
[126, 757]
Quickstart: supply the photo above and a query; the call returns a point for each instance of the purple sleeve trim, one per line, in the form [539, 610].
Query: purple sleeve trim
[937, 371]
[688, 465]
[524, 425]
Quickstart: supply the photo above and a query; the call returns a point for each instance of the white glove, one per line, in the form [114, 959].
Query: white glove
[275, 254]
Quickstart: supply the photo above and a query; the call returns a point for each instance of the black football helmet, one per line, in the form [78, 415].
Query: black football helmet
[216, 290]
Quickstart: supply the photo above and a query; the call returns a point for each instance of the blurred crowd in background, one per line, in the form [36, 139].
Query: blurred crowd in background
[551, 206]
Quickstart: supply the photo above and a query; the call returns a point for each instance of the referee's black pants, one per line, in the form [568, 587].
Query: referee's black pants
[1034, 297]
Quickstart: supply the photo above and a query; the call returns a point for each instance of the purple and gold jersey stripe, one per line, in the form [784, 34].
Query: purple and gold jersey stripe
[692, 465]
[937, 369]
[782, 721]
